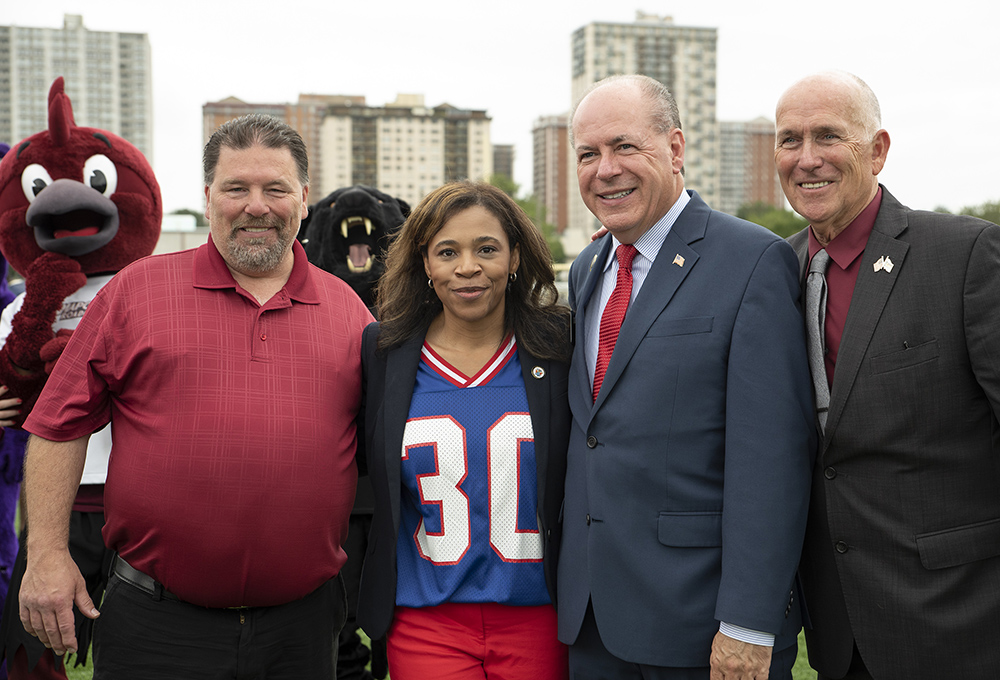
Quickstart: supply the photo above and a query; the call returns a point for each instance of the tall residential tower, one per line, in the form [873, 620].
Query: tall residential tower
[747, 171]
[551, 170]
[108, 77]
[681, 57]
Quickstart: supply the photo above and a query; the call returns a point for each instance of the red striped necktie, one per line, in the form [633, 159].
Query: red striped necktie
[614, 313]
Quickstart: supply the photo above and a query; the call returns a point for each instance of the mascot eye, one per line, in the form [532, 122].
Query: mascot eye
[33, 180]
[100, 174]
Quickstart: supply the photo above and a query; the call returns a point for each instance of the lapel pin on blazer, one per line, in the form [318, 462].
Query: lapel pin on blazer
[883, 264]
[538, 372]
[678, 260]
[593, 261]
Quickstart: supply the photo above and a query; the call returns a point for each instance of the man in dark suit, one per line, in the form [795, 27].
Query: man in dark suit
[901, 566]
[692, 438]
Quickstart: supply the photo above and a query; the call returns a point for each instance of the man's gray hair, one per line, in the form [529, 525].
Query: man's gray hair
[663, 106]
[251, 129]
[869, 112]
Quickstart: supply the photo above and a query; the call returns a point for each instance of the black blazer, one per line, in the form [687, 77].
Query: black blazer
[388, 386]
[902, 549]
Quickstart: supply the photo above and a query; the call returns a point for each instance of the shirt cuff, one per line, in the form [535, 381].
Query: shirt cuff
[754, 637]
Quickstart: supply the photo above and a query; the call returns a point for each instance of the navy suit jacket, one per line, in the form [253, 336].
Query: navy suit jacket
[688, 479]
[388, 387]
[902, 550]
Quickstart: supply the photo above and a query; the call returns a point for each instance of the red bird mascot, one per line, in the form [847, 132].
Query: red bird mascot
[77, 204]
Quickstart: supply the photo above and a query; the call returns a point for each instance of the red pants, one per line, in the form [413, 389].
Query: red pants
[465, 641]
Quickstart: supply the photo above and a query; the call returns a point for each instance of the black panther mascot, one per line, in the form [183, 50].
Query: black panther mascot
[347, 234]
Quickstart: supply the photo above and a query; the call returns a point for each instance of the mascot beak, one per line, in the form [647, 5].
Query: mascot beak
[69, 217]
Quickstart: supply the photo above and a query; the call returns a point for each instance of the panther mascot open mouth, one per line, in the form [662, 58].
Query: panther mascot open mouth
[347, 233]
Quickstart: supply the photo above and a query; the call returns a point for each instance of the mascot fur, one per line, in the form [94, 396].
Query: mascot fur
[75, 203]
[347, 234]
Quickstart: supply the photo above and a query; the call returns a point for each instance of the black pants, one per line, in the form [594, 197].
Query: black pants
[139, 636]
[857, 671]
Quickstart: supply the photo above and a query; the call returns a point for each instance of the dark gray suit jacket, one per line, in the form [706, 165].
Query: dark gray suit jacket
[388, 387]
[902, 549]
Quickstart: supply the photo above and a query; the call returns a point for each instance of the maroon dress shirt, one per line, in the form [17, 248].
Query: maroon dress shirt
[842, 273]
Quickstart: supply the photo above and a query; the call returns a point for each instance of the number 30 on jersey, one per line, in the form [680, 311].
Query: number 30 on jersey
[443, 488]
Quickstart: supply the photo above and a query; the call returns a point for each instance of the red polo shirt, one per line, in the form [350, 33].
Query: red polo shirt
[232, 471]
[842, 273]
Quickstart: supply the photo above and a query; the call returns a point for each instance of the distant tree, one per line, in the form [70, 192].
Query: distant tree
[199, 218]
[784, 223]
[989, 211]
[530, 206]
[505, 184]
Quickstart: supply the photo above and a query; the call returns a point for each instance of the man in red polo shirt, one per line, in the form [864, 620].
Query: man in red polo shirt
[231, 375]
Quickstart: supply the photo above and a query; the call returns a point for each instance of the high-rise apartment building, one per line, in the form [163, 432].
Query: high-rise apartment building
[108, 77]
[306, 117]
[683, 58]
[404, 148]
[747, 172]
[551, 163]
[503, 160]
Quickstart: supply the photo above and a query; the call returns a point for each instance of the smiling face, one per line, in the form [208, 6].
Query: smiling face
[629, 174]
[469, 260]
[255, 205]
[827, 162]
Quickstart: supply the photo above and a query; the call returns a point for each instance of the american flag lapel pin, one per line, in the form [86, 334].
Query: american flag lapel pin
[678, 260]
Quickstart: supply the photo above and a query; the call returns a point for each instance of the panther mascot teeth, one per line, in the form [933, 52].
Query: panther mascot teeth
[347, 234]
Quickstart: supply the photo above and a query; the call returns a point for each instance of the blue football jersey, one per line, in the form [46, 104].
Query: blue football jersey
[469, 527]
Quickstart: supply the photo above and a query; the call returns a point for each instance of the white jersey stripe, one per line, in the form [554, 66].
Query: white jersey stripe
[459, 379]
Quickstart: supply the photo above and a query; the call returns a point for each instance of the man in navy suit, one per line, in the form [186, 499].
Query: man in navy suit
[688, 465]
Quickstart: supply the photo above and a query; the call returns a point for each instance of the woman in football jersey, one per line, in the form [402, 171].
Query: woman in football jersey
[466, 426]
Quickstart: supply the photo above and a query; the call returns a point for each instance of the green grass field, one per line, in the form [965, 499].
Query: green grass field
[802, 671]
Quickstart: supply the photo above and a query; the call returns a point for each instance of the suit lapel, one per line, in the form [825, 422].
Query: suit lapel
[800, 243]
[662, 281]
[595, 270]
[867, 302]
[536, 386]
[584, 284]
[400, 378]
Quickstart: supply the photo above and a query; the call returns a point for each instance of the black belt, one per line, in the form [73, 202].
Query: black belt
[146, 584]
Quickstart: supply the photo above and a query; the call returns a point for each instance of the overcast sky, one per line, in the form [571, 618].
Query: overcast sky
[934, 66]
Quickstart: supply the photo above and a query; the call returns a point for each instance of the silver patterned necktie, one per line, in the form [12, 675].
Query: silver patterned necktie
[815, 332]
